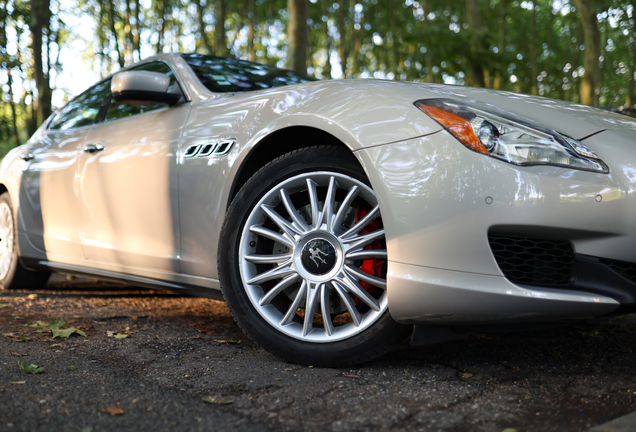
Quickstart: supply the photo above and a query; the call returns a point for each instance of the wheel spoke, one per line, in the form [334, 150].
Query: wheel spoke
[313, 202]
[310, 307]
[327, 209]
[363, 240]
[275, 273]
[365, 277]
[269, 295]
[373, 214]
[293, 213]
[282, 223]
[356, 289]
[280, 238]
[268, 259]
[366, 254]
[326, 309]
[342, 211]
[348, 301]
[291, 312]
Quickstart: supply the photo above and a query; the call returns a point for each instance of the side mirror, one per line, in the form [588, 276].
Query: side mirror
[142, 87]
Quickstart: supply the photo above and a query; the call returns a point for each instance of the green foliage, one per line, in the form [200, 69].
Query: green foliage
[524, 46]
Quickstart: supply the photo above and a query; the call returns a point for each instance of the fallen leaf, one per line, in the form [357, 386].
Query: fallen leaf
[113, 411]
[200, 330]
[121, 336]
[57, 324]
[30, 369]
[71, 368]
[38, 324]
[17, 318]
[434, 366]
[233, 342]
[15, 354]
[9, 335]
[350, 376]
[467, 375]
[215, 340]
[18, 382]
[4, 305]
[195, 337]
[509, 430]
[213, 400]
[32, 296]
[24, 339]
[65, 333]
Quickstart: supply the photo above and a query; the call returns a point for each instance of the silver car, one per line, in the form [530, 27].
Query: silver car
[331, 216]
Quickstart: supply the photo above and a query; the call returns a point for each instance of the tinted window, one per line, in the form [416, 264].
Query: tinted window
[220, 74]
[117, 110]
[83, 110]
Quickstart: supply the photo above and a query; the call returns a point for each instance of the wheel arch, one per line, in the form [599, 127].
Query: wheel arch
[276, 144]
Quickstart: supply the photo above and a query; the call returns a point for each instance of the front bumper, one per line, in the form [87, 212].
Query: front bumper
[440, 201]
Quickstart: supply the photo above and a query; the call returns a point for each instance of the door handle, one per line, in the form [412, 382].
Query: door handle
[27, 156]
[93, 148]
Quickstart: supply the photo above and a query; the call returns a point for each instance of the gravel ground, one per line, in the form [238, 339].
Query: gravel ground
[182, 350]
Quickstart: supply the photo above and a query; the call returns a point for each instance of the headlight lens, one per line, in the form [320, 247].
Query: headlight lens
[511, 140]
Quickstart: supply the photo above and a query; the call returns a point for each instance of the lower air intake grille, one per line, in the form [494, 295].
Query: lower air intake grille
[625, 269]
[533, 261]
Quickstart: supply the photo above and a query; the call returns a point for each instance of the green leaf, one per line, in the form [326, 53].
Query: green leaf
[121, 336]
[509, 430]
[65, 333]
[57, 324]
[234, 342]
[38, 324]
[71, 368]
[30, 369]
[17, 318]
[24, 339]
[213, 400]
[467, 375]
[4, 305]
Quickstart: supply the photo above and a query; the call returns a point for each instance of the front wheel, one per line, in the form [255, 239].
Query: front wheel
[303, 261]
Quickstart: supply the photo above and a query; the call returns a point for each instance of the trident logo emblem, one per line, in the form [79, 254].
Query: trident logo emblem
[315, 256]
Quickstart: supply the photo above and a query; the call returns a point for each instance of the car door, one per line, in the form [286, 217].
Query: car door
[49, 210]
[128, 181]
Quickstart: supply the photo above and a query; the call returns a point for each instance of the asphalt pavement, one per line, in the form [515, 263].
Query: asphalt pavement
[157, 361]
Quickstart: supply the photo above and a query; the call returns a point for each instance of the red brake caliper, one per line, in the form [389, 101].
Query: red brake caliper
[373, 267]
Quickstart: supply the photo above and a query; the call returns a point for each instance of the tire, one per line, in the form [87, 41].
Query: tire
[12, 274]
[306, 229]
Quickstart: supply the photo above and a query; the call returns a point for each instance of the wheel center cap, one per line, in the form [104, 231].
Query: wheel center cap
[318, 256]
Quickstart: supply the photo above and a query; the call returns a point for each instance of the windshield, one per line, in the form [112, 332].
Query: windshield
[220, 74]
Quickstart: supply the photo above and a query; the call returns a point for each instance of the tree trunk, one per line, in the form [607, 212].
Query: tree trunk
[111, 15]
[297, 35]
[631, 99]
[127, 33]
[40, 19]
[137, 38]
[474, 24]
[592, 40]
[161, 24]
[204, 35]
[326, 70]
[14, 117]
[394, 43]
[343, 51]
[498, 82]
[251, 33]
[533, 49]
[219, 29]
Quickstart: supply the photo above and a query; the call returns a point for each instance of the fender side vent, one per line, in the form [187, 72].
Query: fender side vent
[534, 261]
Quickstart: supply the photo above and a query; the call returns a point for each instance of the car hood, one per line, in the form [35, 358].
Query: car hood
[577, 121]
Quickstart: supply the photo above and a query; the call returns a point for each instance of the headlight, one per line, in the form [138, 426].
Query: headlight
[512, 140]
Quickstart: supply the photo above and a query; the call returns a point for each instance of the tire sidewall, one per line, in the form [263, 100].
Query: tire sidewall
[6, 281]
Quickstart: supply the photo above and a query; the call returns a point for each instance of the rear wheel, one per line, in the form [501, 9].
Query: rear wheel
[12, 274]
[303, 261]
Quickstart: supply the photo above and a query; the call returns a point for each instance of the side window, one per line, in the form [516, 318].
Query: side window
[117, 110]
[83, 110]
